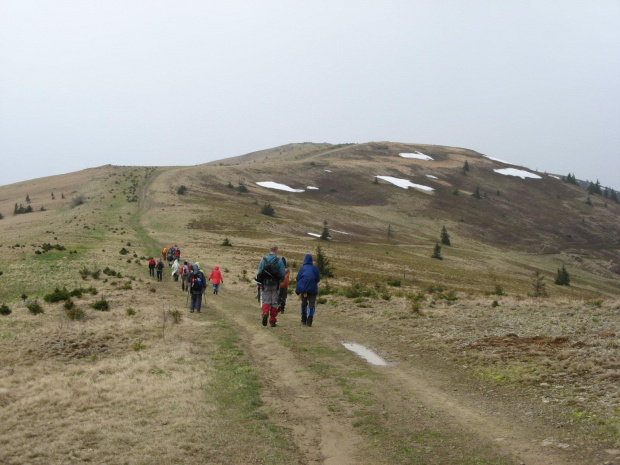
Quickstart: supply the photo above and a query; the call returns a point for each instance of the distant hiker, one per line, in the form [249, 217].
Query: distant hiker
[283, 288]
[175, 270]
[184, 272]
[160, 269]
[177, 252]
[164, 253]
[152, 264]
[270, 274]
[216, 278]
[196, 286]
[308, 279]
[170, 255]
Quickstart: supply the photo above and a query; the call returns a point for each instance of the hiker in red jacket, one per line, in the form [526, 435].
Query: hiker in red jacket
[152, 267]
[216, 279]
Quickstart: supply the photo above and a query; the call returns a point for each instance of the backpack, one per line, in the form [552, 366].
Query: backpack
[196, 283]
[270, 273]
[184, 270]
[170, 254]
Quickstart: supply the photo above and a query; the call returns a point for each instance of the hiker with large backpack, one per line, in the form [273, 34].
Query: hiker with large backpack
[170, 255]
[270, 274]
[152, 264]
[160, 270]
[308, 279]
[184, 272]
[196, 287]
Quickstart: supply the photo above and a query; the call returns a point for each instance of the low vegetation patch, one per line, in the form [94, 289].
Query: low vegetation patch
[5, 310]
[35, 307]
[57, 295]
[101, 304]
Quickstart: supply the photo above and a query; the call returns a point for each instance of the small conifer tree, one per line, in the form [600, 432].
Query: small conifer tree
[562, 278]
[589, 201]
[53, 196]
[322, 263]
[614, 196]
[539, 286]
[476, 194]
[27, 198]
[325, 235]
[268, 210]
[466, 166]
[445, 237]
[437, 252]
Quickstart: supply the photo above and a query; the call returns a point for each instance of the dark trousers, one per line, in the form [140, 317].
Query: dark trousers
[196, 302]
[152, 271]
[159, 275]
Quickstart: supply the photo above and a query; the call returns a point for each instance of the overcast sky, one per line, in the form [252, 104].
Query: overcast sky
[85, 83]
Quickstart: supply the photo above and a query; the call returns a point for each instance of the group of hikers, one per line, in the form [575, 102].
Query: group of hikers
[193, 280]
[272, 281]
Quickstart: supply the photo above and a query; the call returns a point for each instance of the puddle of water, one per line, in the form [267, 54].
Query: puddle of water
[365, 353]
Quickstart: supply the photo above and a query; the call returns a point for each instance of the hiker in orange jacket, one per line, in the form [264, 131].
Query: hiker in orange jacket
[216, 279]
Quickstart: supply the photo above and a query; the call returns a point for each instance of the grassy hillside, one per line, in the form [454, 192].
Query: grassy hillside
[136, 383]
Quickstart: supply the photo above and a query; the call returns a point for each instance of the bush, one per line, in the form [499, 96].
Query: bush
[176, 315]
[75, 313]
[68, 305]
[226, 243]
[5, 310]
[124, 251]
[79, 200]
[268, 210]
[394, 282]
[102, 305]
[182, 190]
[34, 307]
[130, 311]
[358, 290]
[321, 300]
[57, 295]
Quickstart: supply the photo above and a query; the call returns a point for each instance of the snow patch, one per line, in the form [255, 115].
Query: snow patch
[431, 176]
[327, 171]
[416, 155]
[341, 232]
[404, 183]
[314, 235]
[312, 188]
[497, 159]
[515, 172]
[365, 353]
[275, 185]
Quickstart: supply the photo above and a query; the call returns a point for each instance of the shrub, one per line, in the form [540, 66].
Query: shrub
[78, 200]
[76, 293]
[394, 282]
[124, 251]
[34, 307]
[5, 310]
[101, 304]
[130, 311]
[57, 295]
[328, 289]
[321, 300]
[176, 315]
[75, 313]
[226, 243]
[268, 210]
[182, 190]
[495, 304]
[358, 290]
[68, 305]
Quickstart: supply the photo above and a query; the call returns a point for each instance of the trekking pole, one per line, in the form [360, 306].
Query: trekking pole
[187, 299]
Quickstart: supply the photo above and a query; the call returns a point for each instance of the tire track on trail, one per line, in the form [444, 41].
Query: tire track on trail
[292, 393]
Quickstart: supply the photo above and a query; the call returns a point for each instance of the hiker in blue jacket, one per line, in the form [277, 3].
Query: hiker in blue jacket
[308, 279]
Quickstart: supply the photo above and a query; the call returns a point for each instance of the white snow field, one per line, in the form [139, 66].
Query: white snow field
[404, 183]
[497, 159]
[275, 185]
[515, 172]
[416, 155]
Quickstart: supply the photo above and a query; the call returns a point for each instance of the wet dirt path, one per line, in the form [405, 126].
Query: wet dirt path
[291, 392]
[325, 436]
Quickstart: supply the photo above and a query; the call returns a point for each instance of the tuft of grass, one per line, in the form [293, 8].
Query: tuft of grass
[130, 311]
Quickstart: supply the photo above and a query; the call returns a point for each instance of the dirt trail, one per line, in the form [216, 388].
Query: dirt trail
[292, 393]
[328, 437]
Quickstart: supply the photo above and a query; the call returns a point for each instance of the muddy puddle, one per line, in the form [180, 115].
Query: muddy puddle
[365, 353]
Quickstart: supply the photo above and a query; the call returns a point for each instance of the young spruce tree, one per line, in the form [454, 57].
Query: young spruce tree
[437, 252]
[322, 263]
[445, 237]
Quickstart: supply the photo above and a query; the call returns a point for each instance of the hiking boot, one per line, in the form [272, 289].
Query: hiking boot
[191, 311]
[273, 325]
[309, 321]
[265, 318]
[304, 320]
